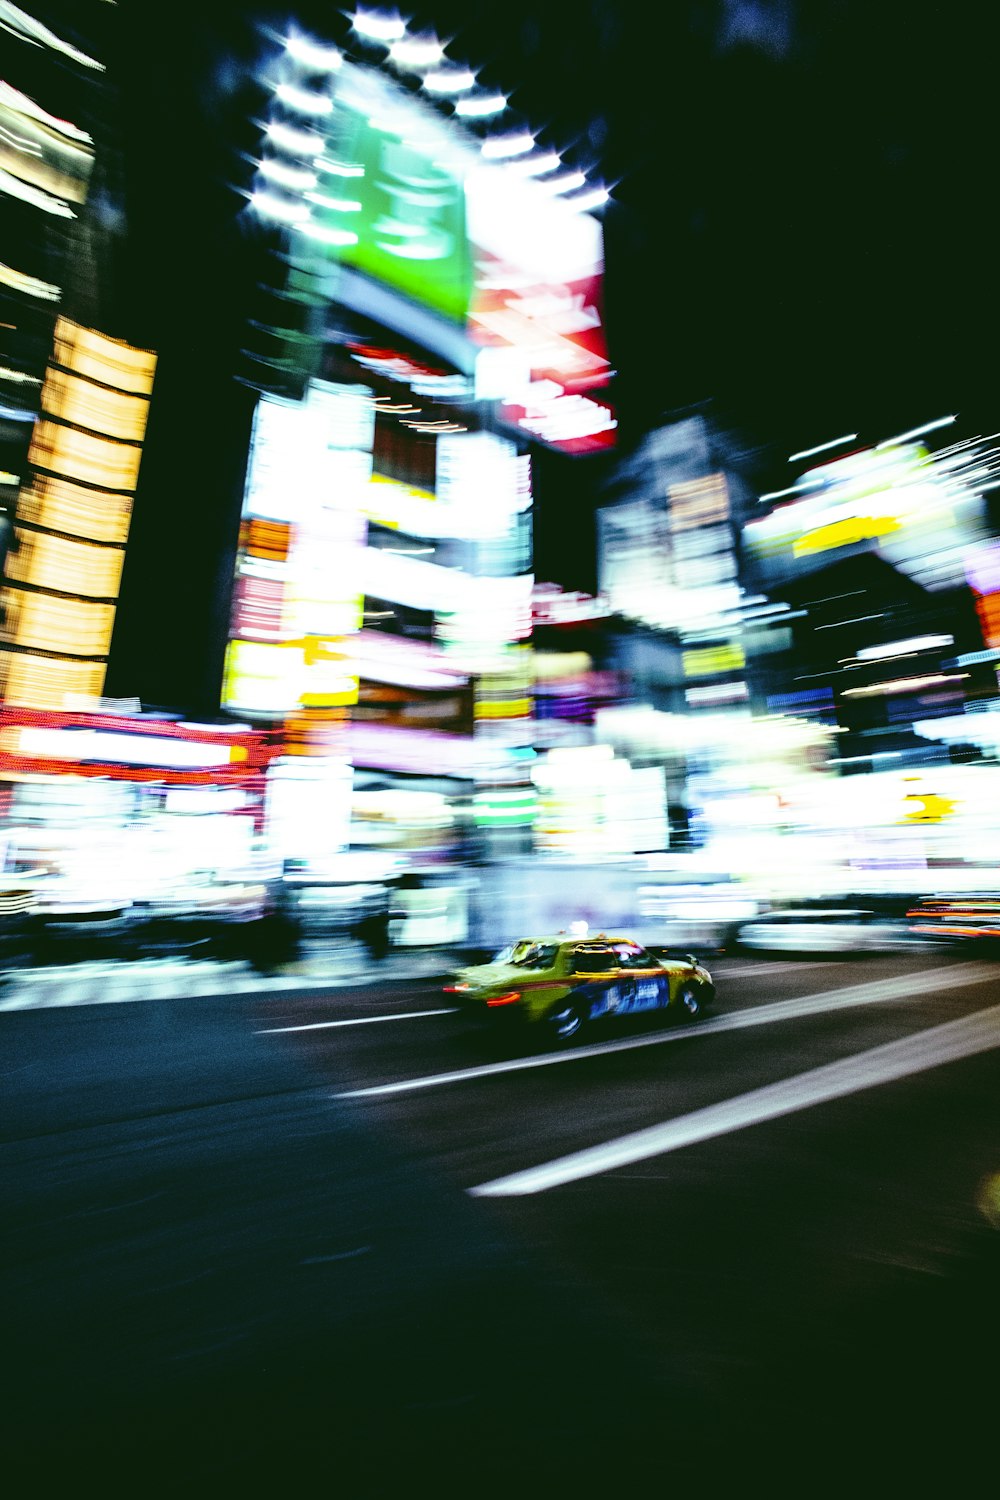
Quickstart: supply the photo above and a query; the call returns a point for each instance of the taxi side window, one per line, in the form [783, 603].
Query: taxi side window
[593, 961]
[631, 956]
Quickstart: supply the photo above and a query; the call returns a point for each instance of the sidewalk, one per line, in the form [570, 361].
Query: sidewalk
[103, 982]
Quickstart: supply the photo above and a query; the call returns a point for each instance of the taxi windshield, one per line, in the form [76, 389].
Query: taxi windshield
[529, 955]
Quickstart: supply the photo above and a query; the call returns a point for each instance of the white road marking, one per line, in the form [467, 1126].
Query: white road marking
[979, 1032]
[764, 967]
[904, 987]
[403, 1015]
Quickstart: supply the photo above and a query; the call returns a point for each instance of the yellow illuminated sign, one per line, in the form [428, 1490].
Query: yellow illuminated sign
[927, 807]
[326, 684]
[60, 505]
[845, 533]
[48, 681]
[88, 445]
[390, 503]
[512, 708]
[708, 660]
[260, 677]
[110, 361]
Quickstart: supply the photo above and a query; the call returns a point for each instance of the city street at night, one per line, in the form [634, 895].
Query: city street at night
[499, 750]
[252, 1234]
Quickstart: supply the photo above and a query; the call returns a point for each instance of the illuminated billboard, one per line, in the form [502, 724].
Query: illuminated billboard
[298, 590]
[387, 204]
[61, 578]
[410, 223]
[903, 503]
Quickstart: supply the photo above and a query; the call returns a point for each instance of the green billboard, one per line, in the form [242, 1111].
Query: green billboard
[389, 205]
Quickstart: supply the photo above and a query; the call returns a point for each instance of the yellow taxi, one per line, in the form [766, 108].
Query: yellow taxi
[562, 983]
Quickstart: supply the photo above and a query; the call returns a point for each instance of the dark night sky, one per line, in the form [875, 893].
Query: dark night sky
[800, 232]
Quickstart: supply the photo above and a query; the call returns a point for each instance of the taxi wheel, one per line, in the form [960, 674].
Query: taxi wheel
[690, 1002]
[565, 1020]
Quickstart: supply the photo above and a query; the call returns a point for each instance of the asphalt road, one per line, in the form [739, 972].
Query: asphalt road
[351, 1239]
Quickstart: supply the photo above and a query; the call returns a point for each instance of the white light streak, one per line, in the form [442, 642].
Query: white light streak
[291, 139]
[486, 104]
[534, 166]
[570, 417]
[904, 685]
[568, 183]
[327, 236]
[127, 749]
[416, 52]
[946, 452]
[35, 196]
[915, 432]
[795, 489]
[314, 55]
[338, 168]
[31, 286]
[854, 620]
[271, 207]
[450, 81]
[22, 105]
[378, 27]
[849, 437]
[18, 377]
[20, 142]
[596, 198]
[280, 172]
[29, 29]
[339, 205]
[905, 648]
[499, 147]
[433, 431]
[403, 1015]
[304, 100]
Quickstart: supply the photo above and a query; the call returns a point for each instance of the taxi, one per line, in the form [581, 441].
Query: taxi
[562, 983]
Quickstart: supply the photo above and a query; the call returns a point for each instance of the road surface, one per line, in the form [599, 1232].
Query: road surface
[349, 1238]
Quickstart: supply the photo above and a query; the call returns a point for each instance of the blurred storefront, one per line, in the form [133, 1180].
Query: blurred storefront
[108, 810]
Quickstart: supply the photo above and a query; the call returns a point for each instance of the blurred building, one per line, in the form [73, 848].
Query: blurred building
[882, 560]
[687, 629]
[82, 790]
[49, 99]
[434, 312]
[76, 393]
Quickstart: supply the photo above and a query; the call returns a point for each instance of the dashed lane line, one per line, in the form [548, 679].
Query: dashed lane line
[403, 1015]
[764, 966]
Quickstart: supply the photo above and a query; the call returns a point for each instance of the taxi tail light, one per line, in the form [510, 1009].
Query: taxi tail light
[511, 998]
[454, 989]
